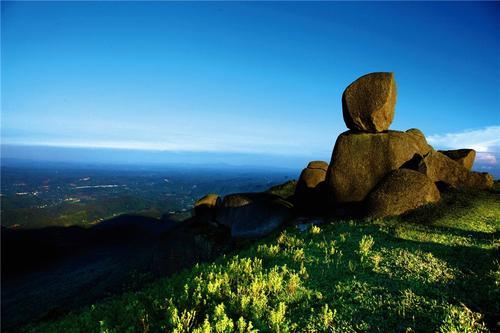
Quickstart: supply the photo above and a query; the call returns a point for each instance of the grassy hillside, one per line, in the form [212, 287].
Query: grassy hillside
[434, 270]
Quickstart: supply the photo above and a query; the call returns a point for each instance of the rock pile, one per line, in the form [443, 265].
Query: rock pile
[378, 171]
[367, 161]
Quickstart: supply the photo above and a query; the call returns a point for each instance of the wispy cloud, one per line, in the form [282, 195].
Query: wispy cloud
[484, 140]
[486, 158]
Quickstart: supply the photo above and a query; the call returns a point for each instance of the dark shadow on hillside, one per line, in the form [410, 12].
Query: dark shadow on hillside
[49, 272]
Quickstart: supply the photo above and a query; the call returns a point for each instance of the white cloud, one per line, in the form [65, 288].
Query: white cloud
[482, 140]
[486, 158]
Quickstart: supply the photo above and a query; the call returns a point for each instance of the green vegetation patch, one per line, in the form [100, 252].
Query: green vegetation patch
[434, 270]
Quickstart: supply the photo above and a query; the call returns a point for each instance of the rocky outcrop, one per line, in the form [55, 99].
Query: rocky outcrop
[368, 103]
[440, 168]
[253, 215]
[464, 157]
[372, 168]
[399, 192]
[360, 160]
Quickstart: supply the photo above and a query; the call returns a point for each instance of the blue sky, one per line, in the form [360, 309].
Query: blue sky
[252, 78]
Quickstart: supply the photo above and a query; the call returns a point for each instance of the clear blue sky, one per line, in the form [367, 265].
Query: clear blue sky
[258, 77]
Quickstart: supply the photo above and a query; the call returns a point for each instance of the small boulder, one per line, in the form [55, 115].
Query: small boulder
[322, 165]
[368, 103]
[399, 192]
[253, 215]
[311, 176]
[204, 208]
[309, 194]
[360, 160]
[465, 157]
[210, 200]
[440, 168]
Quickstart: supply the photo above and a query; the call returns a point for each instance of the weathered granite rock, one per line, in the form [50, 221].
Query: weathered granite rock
[360, 160]
[440, 168]
[311, 176]
[253, 215]
[401, 191]
[317, 165]
[465, 157]
[368, 103]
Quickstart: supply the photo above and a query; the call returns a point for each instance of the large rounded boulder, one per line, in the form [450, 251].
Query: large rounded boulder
[360, 160]
[253, 215]
[368, 103]
[401, 191]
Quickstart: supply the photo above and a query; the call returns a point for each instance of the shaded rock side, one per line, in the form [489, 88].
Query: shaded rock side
[368, 103]
[309, 193]
[285, 190]
[440, 168]
[401, 191]
[464, 157]
[253, 215]
[360, 160]
[204, 208]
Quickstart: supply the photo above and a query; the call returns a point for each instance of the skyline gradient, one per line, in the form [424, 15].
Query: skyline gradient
[243, 78]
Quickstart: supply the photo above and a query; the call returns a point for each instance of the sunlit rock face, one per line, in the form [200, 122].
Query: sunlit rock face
[360, 160]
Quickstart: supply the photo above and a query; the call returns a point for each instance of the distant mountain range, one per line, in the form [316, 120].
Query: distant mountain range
[23, 155]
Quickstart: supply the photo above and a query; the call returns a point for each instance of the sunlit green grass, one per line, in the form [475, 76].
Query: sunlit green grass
[434, 270]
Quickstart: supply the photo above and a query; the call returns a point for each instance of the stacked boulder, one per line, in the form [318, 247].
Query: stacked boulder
[377, 171]
[366, 160]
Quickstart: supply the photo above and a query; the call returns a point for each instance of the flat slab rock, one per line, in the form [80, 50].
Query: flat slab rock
[368, 103]
[253, 215]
